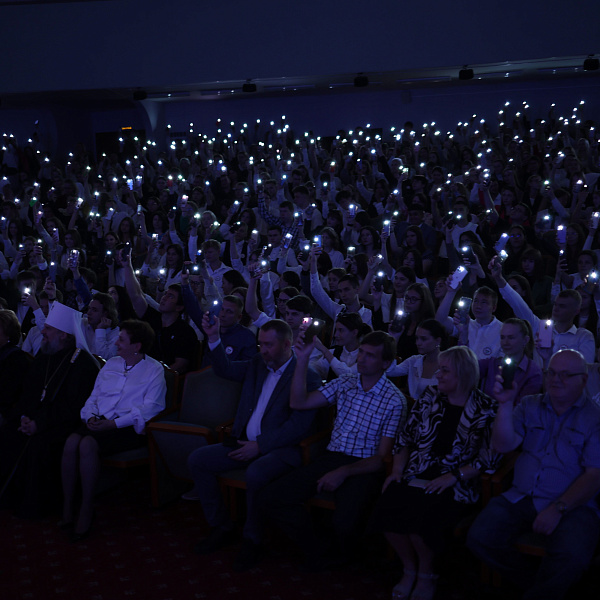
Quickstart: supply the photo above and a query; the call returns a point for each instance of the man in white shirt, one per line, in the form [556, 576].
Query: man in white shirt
[482, 333]
[211, 251]
[348, 291]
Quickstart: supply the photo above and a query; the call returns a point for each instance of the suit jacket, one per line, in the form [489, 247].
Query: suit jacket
[282, 428]
[429, 234]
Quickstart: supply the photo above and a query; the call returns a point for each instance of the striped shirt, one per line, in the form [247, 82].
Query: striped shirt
[363, 418]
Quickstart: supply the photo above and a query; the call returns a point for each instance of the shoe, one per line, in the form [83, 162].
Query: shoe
[428, 584]
[192, 496]
[402, 590]
[79, 537]
[218, 538]
[249, 556]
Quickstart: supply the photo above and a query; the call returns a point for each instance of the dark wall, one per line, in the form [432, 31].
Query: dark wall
[125, 43]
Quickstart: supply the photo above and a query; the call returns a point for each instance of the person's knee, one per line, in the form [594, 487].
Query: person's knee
[196, 460]
[72, 444]
[88, 446]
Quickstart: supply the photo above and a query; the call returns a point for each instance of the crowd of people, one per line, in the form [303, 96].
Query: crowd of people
[439, 290]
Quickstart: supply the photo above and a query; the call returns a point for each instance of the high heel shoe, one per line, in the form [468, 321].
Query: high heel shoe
[65, 525]
[402, 590]
[79, 537]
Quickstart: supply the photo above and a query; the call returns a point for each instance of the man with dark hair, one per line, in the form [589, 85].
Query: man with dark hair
[312, 215]
[565, 309]
[175, 343]
[348, 293]
[265, 435]
[239, 341]
[211, 251]
[481, 334]
[285, 220]
[370, 412]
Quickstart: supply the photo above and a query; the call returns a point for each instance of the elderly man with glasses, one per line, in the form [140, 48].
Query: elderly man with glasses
[556, 481]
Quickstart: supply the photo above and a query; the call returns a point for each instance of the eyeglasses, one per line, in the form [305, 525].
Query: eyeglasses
[564, 376]
[412, 299]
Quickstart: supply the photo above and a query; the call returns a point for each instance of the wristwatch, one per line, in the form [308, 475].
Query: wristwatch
[561, 506]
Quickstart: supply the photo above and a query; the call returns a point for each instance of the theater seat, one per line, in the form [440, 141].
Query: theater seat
[208, 401]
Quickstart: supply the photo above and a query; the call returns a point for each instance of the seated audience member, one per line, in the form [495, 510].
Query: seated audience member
[239, 341]
[482, 332]
[101, 325]
[175, 342]
[555, 485]
[517, 345]
[211, 251]
[265, 435]
[57, 384]
[438, 458]
[294, 310]
[564, 310]
[129, 390]
[418, 306]
[422, 368]
[370, 412]
[14, 363]
[348, 294]
[341, 359]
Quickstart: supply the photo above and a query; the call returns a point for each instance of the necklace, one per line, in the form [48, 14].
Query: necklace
[48, 381]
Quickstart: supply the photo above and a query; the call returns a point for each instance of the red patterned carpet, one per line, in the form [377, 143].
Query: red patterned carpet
[138, 552]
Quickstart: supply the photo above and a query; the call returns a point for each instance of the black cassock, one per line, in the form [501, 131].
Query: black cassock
[54, 392]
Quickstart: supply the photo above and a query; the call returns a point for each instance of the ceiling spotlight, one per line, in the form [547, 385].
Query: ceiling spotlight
[591, 63]
[249, 87]
[361, 80]
[465, 74]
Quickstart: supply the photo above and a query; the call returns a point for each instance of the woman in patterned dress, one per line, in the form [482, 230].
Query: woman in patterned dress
[437, 462]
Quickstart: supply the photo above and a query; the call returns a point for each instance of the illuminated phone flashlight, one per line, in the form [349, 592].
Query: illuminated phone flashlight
[461, 303]
[137, 272]
[39, 241]
[27, 291]
[162, 272]
[108, 253]
[503, 255]
[79, 202]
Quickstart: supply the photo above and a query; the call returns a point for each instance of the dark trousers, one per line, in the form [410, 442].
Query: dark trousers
[284, 501]
[206, 464]
[570, 547]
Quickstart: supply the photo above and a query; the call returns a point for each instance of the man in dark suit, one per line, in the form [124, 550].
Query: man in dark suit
[265, 435]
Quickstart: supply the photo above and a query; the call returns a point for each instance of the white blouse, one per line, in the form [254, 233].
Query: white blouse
[130, 398]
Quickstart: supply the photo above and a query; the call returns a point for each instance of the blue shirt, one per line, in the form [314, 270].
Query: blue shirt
[556, 449]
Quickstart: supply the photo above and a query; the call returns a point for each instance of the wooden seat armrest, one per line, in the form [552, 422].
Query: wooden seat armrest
[224, 429]
[183, 429]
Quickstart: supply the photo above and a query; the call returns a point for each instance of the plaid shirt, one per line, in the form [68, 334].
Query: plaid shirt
[295, 228]
[363, 418]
